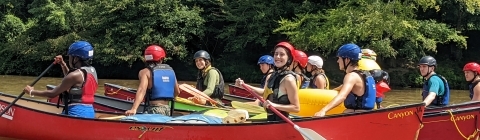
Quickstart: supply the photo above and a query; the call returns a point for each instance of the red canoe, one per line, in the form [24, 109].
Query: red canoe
[451, 124]
[125, 93]
[239, 91]
[27, 119]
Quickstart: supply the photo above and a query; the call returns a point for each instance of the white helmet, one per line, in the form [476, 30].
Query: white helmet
[315, 60]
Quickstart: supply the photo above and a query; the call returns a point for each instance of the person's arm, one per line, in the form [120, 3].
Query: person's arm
[476, 93]
[211, 81]
[176, 88]
[320, 82]
[142, 88]
[433, 91]
[67, 82]
[348, 83]
[291, 88]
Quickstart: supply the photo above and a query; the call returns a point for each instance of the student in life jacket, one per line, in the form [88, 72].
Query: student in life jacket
[158, 84]
[358, 90]
[382, 79]
[319, 79]
[472, 71]
[266, 66]
[209, 79]
[79, 83]
[300, 64]
[436, 91]
[281, 90]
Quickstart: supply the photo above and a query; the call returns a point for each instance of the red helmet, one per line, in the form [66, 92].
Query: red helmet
[301, 58]
[472, 66]
[154, 53]
[289, 47]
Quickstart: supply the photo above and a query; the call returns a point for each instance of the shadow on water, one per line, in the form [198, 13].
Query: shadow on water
[14, 85]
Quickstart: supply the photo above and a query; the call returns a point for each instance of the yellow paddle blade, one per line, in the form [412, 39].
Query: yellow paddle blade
[216, 113]
[260, 116]
[247, 106]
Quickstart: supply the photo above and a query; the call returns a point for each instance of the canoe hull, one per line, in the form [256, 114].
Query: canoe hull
[238, 91]
[28, 121]
[451, 124]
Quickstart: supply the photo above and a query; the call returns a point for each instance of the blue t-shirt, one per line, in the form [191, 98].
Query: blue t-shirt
[436, 85]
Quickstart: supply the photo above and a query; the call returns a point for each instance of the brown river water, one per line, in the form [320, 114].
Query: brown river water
[14, 85]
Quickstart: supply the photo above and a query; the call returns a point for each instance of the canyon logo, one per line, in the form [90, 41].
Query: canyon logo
[9, 114]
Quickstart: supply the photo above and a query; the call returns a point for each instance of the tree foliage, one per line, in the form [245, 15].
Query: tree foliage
[237, 33]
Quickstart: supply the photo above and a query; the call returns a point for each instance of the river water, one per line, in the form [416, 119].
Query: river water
[15, 84]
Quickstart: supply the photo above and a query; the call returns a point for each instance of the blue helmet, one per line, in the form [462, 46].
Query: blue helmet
[266, 59]
[81, 49]
[350, 51]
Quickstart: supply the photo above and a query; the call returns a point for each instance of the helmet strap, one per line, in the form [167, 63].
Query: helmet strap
[345, 66]
[474, 77]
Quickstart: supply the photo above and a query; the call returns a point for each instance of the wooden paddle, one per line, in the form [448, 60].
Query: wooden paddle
[20, 96]
[306, 133]
[114, 117]
[195, 92]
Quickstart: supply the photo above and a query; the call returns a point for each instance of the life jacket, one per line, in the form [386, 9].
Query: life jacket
[264, 79]
[163, 85]
[367, 100]
[218, 91]
[439, 100]
[84, 94]
[163, 82]
[313, 81]
[471, 86]
[274, 84]
[305, 81]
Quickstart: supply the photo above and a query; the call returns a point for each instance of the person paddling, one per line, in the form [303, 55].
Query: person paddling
[436, 91]
[282, 92]
[319, 80]
[300, 64]
[79, 85]
[358, 89]
[472, 71]
[209, 79]
[158, 84]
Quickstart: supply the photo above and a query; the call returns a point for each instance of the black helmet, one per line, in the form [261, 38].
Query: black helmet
[202, 54]
[377, 74]
[428, 60]
[386, 77]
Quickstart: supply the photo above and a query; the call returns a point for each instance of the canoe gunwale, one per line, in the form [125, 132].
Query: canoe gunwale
[454, 111]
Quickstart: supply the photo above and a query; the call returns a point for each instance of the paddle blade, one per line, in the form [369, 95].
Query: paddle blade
[114, 117]
[249, 107]
[309, 133]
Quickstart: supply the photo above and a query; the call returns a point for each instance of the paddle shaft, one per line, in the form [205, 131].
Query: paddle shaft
[20, 96]
[204, 96]
[276, 112]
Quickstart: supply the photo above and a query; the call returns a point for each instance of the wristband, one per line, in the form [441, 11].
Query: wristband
[31, 93]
